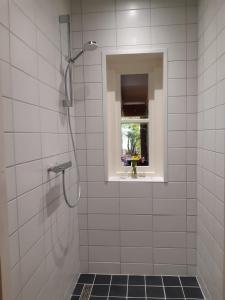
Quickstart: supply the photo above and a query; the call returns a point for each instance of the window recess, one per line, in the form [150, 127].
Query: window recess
[135, 114]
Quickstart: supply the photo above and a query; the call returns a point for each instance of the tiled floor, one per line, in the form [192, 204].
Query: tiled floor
[123, 287]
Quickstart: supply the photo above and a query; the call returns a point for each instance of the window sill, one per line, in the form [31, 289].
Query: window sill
[138, 179]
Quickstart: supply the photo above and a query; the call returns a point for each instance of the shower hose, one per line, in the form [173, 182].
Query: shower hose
[69, 99]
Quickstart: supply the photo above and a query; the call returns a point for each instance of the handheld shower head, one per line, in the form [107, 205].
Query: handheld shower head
[89, 46]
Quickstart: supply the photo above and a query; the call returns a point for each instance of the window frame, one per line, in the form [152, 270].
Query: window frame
[122, 170]
[141, 169]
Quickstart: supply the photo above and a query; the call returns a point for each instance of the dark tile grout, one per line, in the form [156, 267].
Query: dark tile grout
[144, 285]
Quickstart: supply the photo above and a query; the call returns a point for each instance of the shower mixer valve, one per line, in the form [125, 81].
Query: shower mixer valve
[61, 167]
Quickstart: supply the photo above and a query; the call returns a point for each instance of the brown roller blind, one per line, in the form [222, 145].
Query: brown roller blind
[134, 95]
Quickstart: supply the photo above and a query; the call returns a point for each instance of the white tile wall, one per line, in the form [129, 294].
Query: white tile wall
[210, 161]
[133, 18]
[152, 228]
[128, 223]
[43, 257]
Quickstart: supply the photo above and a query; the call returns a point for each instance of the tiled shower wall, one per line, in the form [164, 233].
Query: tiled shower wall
[43, 232]
[211, 138]
[138, 227]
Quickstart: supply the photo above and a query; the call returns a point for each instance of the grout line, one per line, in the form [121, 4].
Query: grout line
[186, 142]
[176, 286]
[120, 230]
[127, 286]
[145, 287]
[109, 286]
[128, 279]
[144, 8]
[164, 291]
[199, 285]
[181, 286]
[116, 28]
[85, 135]
[92, 286]
[116, 22]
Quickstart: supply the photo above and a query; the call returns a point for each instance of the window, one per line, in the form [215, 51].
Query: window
[135, 115]
[134, 119]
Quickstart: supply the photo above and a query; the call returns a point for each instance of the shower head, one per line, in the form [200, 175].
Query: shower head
[89, 46]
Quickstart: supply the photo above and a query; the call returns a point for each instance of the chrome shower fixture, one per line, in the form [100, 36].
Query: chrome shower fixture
[89, 46]
[67, 103]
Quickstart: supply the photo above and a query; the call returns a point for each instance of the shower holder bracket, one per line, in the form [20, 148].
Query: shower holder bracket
[61, 167]
[67, 103]
[64, 19]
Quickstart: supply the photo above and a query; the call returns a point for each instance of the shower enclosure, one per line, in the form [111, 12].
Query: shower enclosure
[129, 228]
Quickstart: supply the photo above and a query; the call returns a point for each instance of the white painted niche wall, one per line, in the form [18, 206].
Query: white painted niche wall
[153, 63]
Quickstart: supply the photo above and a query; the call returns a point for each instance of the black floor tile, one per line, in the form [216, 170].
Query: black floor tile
[136, 291]
[153, 280]
[174, 292]
[100, 290]
[155, 291]
[119, 279]
[136, 298]
[118, 290]
[156, 298]
[189, 281]
[136, 280]
[78, 289]
[102, 279]
[171, 281]
[86, 278]
[193, 292]
[114, 287]
[97, 298]
[117, 298]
